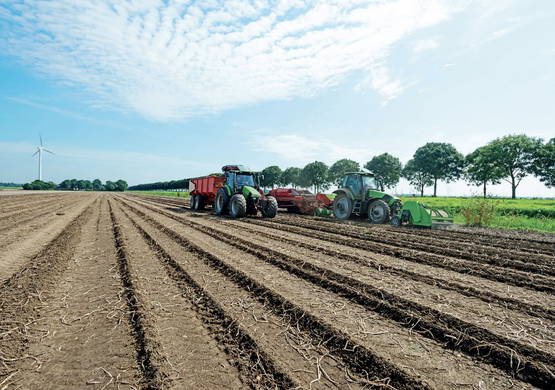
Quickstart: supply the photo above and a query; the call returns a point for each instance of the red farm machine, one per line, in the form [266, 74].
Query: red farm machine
[235, 192]
[302, 201]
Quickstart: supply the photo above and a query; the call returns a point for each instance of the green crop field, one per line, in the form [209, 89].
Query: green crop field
[178, 194]
[530, 214]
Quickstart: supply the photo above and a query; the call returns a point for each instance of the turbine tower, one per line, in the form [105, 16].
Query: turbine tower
[40, 149]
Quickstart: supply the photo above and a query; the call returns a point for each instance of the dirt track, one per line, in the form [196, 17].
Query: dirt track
[107, 291]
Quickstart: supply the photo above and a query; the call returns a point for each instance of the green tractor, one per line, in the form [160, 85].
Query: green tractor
[240, 195]
[358, 196]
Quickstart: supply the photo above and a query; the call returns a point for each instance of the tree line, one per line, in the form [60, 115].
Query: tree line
[509, 158]
[78, 185]
[162, 185]
[10, 185]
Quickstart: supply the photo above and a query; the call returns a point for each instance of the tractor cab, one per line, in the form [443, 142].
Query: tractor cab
[238, 176]
[359, 183]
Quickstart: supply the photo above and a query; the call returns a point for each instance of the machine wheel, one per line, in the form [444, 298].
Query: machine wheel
[342, 206]
[193, 202]
[237, 206]
[200, 202]
[378, 212]
[293, 210]
[396, 220]
[271, 207]
[221, 204]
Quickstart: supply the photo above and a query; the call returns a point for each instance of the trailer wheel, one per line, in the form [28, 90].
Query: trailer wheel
[221, 204]
[378, 212]
[293, 210]
[342, 206]
[200, 202]
[193, 202]
[237, 206]
[271, 207]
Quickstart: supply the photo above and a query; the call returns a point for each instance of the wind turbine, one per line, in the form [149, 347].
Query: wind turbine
[40, 149]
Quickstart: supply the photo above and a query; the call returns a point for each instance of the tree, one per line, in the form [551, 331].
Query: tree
[515, 156]
[481, 168]
[110, 186]
[97, 185]
[272, 176]
[121, 185]
[440, 161]
[340, 168]
[387, 170]
[316, 174]
[291, 176]
[544, 163]
[417, 176]
[39, 185]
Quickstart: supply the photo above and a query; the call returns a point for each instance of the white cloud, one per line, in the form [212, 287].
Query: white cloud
[301, 150]
[424, 45]
[170, 60]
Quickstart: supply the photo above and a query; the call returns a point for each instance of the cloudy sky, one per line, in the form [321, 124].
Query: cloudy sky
[150, 90]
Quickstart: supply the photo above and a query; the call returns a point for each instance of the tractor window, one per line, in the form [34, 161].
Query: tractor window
[368, 182]
[353, 182]
[245, 180]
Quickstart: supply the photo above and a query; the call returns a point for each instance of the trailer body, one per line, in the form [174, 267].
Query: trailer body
[206, 188]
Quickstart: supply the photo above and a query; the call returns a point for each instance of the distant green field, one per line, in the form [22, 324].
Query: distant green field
[530, 214]
[180, 194]
[10, 188]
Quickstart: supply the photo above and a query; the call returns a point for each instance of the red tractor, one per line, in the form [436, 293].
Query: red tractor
[301, 201]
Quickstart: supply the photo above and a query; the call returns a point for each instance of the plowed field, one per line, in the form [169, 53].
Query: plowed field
[121, 291]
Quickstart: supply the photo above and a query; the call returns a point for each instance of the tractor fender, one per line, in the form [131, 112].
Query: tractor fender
[227, 189]
[345, 191]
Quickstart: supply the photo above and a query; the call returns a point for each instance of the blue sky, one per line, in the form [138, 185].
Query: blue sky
[158, 90]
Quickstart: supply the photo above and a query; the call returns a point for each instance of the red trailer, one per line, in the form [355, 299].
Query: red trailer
[203, 190]
[300, 201]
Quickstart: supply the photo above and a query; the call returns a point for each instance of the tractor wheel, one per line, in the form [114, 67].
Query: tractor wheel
[396, 220]
[378, 212]
[237, 206]
[221, 204]
[193, 202]
[271, 207]
[342, 206]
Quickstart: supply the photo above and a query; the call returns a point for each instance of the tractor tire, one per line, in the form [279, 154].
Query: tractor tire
[271, 207]
[193, 202]
[221, 204]
[378, 212]
[342, 206]
[396, 220]
[237, 206]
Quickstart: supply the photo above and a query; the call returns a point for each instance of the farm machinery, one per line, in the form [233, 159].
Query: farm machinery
[358, 196]
[235, 192]
[302, 201]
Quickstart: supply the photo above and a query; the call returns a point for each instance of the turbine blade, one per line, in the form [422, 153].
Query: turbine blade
[40, 136]
[46, 150]
[35, 153]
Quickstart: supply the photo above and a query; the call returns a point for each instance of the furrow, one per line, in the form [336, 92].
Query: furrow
[145, 344]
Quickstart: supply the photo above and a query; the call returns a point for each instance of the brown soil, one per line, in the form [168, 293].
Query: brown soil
[118, 291]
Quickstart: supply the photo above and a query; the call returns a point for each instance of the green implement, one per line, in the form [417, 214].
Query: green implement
[415, 213]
